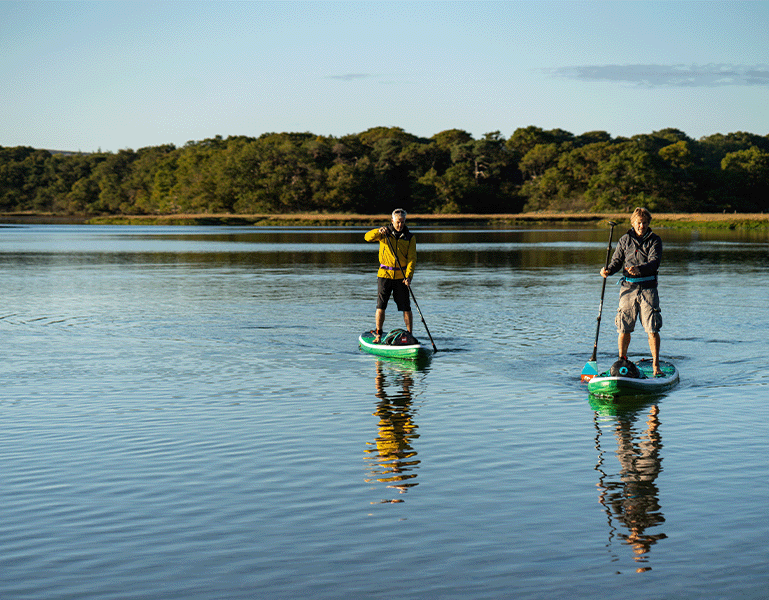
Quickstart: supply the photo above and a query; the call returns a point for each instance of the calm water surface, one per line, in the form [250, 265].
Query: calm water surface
[186, 414]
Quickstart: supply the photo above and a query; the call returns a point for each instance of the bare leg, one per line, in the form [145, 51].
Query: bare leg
[623, 341]
[408, 319]
[379, 319]
[654, 348]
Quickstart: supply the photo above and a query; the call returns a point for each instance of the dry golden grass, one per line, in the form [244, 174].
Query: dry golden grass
[531, 216]
[458, 218]
[717, 220]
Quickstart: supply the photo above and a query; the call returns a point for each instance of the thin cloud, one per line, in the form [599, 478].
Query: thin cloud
[377, 76]
[713, 75]
[351, 76]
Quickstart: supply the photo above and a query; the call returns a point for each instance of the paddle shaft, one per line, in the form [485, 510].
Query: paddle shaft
[603, 291]
[398, 262]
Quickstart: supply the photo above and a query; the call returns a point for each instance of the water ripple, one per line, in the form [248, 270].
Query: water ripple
[185, 425]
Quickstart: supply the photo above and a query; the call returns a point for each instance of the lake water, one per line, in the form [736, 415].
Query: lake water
[186, 415]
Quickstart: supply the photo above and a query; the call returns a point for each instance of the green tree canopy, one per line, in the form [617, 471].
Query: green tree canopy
[383, 167]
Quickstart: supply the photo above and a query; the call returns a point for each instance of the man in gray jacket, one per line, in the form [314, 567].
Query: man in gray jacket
[638, 254]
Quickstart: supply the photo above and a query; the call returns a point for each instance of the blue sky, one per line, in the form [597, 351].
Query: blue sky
[114, 75]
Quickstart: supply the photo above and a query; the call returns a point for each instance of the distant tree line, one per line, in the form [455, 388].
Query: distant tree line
[374, 171]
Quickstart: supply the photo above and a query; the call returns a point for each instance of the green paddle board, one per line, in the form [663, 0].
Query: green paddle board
[607, 385]
[398, 343]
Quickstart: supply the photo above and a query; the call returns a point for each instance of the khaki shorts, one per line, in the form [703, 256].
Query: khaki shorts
[635, 302]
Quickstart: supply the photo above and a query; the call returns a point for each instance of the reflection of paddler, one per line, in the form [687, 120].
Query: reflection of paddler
[392, 451]
[634, 498]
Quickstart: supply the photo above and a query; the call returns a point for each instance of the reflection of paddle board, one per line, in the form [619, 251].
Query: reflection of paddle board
[607, 384]
[399, 343]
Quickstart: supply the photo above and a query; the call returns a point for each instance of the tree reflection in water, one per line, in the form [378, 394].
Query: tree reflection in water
[392, 456]
[630, 496]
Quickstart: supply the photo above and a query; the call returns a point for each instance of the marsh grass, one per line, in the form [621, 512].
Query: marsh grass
[669, 220]
[672, 220]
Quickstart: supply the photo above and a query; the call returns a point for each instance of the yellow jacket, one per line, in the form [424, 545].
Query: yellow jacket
[406, 248]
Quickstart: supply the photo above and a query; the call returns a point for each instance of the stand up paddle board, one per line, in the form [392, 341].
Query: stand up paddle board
[619, 383]
[399, 343]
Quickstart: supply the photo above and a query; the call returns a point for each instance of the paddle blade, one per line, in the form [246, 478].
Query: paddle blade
[589, 371]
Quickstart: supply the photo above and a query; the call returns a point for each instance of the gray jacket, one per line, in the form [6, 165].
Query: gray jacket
[644, 253]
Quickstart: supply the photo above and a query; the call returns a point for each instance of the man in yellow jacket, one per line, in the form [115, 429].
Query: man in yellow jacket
[395, 270]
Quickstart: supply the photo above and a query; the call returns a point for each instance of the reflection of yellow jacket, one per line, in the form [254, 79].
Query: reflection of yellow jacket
[406, 248]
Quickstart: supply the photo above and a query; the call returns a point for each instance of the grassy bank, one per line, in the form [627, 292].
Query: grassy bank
[671, 220]
[679, 221]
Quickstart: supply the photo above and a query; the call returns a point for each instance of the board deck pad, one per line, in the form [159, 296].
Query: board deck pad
[397, 343]
[607, 385]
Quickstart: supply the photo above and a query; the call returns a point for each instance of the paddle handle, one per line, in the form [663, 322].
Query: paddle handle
[603, 291]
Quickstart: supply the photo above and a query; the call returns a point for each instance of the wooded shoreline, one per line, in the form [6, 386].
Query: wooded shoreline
[671, 220]
[532, 172]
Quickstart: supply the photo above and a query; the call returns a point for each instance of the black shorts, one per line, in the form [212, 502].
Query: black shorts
[399, 290]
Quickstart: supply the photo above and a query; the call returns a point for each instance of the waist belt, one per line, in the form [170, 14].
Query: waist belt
[636, 279]
[386, 268]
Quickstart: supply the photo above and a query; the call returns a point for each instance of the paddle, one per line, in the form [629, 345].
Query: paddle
[591, 367]
[398, 262]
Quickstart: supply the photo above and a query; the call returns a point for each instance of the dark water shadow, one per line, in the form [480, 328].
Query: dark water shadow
[452, 350]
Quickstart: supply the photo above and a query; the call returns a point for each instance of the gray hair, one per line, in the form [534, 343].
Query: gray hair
[640, 213]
